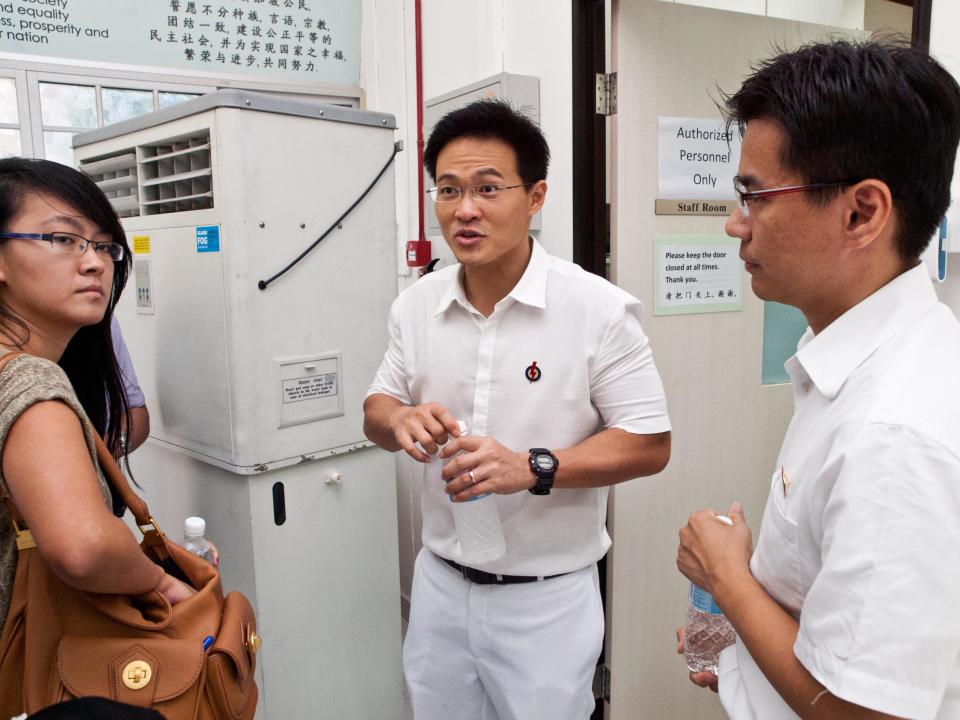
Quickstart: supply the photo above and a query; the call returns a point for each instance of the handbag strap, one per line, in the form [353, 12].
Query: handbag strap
[111, 470]
[112, 473]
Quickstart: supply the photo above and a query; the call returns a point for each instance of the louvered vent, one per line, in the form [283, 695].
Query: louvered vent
[116, 175]
[175, 175]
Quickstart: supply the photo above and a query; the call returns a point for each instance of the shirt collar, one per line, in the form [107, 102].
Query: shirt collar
[831, 357]
[531, 289]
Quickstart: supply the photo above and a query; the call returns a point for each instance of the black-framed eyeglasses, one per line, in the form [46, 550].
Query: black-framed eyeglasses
[485, 191]
[744, 196]
[72, 244]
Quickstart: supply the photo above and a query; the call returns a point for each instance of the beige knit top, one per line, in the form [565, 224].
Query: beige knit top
[26, 380]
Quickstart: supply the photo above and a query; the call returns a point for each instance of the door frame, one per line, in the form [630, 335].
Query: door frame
[589, 212]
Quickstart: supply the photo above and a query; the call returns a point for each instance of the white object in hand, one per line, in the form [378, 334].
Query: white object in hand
[707, 631]
[193, 540]
[478, 524]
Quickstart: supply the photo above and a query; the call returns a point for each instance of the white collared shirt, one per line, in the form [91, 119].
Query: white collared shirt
[860, 538]
[594, 369]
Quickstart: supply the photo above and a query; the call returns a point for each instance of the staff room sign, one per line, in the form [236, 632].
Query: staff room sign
[698, 159]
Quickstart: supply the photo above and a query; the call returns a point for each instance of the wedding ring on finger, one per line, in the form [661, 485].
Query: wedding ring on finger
[473, 478]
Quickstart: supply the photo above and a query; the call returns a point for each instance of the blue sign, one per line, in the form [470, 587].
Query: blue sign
[208, 238]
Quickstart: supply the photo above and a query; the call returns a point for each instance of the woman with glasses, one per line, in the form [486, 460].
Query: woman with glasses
[63, 263]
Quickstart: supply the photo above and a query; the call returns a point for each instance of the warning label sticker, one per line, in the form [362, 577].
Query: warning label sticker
[309, 388]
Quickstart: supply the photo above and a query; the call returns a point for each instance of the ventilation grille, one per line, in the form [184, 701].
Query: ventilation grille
[165, 177]
[116, 175]
[175, 176]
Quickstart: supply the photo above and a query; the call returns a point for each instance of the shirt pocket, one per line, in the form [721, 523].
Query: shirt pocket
[776, 563]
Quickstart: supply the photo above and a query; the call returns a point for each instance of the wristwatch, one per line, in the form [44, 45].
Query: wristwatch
[544, 465]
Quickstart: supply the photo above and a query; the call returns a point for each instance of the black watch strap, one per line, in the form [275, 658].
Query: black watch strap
[543, 464]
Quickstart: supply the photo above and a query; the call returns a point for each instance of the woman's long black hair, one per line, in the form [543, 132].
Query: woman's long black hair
[89, 359]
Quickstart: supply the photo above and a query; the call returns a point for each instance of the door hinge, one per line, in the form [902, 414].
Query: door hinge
[606, 93]
[601, 683]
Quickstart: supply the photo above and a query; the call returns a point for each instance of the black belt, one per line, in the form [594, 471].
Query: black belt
[484, 578]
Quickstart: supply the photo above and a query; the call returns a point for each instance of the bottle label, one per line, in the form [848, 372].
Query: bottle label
[701, 600]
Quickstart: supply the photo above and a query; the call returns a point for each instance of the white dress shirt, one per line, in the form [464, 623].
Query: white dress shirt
[860, 538]
[594, 369]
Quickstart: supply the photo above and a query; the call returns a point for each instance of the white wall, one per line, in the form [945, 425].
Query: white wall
[462, 43]
[466, 42]
[839, 13]
[944, 26]
[387, 75]
[944, 29]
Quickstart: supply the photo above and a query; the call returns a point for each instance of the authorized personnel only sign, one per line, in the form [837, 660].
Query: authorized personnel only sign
[697, 159]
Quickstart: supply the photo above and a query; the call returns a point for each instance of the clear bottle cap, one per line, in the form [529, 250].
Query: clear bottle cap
[462, 426]
[194, 526]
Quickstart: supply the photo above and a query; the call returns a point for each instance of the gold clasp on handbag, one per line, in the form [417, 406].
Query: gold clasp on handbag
[253, 641]
[25, 539]
[137, 674]
[152, 527]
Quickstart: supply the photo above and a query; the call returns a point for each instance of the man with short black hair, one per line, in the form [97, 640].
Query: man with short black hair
[847, 607]
[550, 370]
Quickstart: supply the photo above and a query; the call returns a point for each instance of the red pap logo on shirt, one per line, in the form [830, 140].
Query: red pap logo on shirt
[532, 373]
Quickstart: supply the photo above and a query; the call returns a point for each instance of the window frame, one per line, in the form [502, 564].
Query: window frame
[28, 74]
[34, 78]
[23, 109]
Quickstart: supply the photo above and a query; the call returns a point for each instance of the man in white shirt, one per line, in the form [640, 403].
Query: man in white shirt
[549, 368]
[848, 606]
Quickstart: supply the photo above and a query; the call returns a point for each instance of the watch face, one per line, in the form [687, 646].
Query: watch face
[544, 462]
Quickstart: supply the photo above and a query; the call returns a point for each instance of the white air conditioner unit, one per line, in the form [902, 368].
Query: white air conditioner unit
[256, 396]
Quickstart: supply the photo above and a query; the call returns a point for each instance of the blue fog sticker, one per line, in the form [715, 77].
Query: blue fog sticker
[208, 238]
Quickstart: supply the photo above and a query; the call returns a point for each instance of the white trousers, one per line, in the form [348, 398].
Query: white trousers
[526, 651]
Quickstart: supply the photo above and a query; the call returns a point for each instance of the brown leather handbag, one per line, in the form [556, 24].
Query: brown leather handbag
[191, 661]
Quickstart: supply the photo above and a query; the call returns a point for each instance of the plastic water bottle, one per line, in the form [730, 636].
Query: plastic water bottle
[478, 525]
[193, 540]
[707, 631]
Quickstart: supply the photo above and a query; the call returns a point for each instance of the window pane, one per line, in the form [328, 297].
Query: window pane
[57, 147]
[8, 101]
[171, 98]
[119, 104]
[9, 142]
[68, 105]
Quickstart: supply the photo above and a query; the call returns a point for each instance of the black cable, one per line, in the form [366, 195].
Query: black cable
[262, 284]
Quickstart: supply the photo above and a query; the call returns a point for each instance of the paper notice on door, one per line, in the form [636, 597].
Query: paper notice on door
[697, 274]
